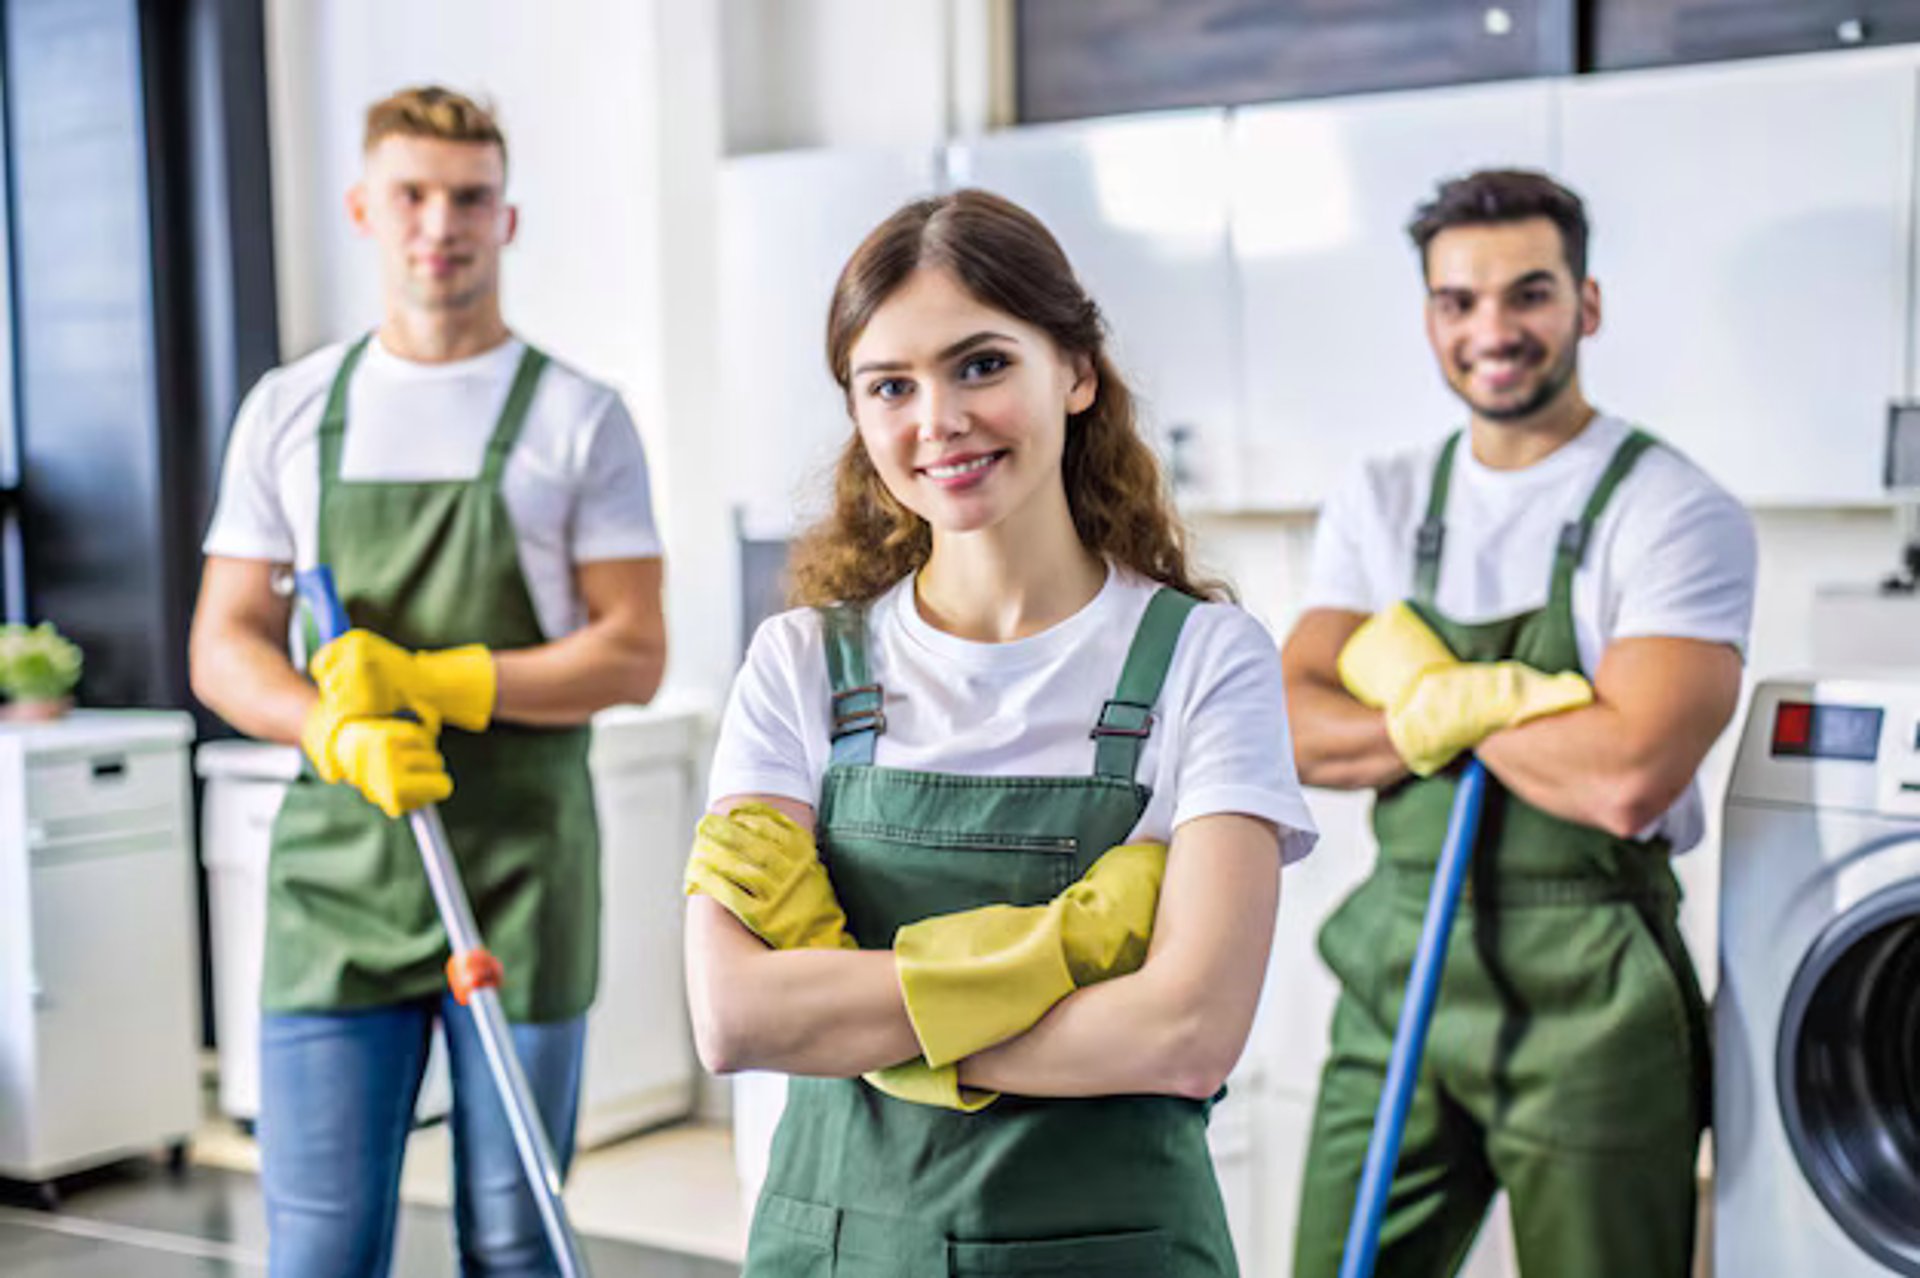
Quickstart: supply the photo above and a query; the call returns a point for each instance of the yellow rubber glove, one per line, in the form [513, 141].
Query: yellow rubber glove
[766, 871]
[391, 762]
[980, 977]
[922, 1084]
[368, 676]
[759, 864]
[1387, 653]
[1454, 708]
[322, 724]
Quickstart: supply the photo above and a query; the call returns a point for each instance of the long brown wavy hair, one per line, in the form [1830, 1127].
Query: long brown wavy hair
[1005, 258]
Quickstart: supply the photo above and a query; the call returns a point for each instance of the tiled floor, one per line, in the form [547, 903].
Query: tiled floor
[136, 1220]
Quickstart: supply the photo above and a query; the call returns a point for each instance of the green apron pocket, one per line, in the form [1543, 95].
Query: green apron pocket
[876, 869]
[1138, 1254]
[792, 1239]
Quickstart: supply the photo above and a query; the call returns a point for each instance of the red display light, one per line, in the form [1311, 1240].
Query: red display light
[1792, 727]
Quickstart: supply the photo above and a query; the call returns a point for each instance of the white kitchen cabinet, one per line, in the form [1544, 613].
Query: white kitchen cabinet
[1140, 206]
[649, 785]
[788, 222]
[648, 777]
[1335, 363]
[1752, 238]
[99, 985]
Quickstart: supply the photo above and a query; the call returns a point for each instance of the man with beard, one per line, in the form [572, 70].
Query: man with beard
[1552, 590]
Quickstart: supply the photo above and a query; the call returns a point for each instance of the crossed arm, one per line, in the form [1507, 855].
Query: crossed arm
[240, 670]
[1175, 1027]
[1659, 704]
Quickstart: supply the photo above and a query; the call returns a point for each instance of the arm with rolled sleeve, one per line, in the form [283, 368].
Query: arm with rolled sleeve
[1337, 741]
[826, 1012]
[1668, 680]
[620, 653]
[237, 648]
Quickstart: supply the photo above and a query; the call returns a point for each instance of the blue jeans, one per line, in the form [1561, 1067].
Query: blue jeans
[336, 1102]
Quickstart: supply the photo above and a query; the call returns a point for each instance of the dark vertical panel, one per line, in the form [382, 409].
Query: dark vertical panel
[144, 307]
[210, 187]
[223, 108]
[92, 473]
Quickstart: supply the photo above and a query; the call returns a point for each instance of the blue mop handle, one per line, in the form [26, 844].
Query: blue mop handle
[1410, 1036]
[323, 602]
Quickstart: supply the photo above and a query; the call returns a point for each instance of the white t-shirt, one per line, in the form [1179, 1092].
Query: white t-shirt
[1025, 708]
[575, 482]
[1672, 554]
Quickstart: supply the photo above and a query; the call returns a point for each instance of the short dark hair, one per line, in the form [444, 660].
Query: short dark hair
[1494, 196]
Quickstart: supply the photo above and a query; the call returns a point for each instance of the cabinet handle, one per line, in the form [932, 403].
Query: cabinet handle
[1851, 31]
[1498, 21]
[37, 993]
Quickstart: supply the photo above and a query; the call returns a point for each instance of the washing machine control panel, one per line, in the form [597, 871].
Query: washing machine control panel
[1823, 730]
[1833, 742]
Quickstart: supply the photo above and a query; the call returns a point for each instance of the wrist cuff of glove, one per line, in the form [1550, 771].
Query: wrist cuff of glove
[462, 683]
[921, 1084]
[1422, 757]
[317, 734]
[979, 977]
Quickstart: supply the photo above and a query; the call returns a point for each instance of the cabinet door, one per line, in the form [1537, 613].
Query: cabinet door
[1751, 238]
[1078, 59]
[113, 955]
[1141, 208]
[1335, 362]
[788, 224]
[1648, 33]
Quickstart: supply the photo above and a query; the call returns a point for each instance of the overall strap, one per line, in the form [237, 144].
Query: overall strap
[1432, 534]
[513, 415]
[1126, 721]
[858, 719]
[1571, 549]
[333, 422]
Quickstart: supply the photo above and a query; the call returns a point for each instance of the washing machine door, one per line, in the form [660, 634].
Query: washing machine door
[1848, 1068]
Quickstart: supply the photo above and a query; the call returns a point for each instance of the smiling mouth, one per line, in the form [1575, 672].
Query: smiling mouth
[1505, 369]
[962, 469]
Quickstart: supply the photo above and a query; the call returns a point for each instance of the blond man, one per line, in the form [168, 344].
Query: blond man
[485, 512]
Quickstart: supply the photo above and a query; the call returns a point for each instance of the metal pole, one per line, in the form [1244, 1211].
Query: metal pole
[463, 936]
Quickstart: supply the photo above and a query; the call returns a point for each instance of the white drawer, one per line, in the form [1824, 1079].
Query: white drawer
[75, 794]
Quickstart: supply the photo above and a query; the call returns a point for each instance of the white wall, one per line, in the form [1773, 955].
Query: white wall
[813, 73]
[611, 110]
[808, 73]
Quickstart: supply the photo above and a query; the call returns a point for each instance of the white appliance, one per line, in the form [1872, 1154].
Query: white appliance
[640, 1068]
[99, 984]
[1817, 1074]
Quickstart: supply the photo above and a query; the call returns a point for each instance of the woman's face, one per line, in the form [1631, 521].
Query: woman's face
[962, 408]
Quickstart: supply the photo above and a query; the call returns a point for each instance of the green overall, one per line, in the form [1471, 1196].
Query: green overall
[350, 918]
[865, 1186]
[1567, 1061]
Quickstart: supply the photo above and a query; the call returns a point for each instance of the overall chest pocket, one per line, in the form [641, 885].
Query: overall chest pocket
[889, 876]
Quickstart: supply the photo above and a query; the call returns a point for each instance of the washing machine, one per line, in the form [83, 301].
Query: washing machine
[1817, 1076]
